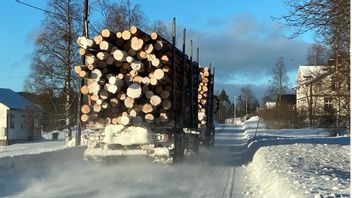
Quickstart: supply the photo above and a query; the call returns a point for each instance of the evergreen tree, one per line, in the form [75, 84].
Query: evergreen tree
[224, 107]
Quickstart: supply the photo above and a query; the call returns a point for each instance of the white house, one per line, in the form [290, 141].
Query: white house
[317, 93]
[19, 118]
[270, 105]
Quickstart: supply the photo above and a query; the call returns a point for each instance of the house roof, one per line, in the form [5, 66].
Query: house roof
[312, 71]
[13, 100]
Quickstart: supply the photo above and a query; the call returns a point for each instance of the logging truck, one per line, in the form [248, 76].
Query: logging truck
[143, 97]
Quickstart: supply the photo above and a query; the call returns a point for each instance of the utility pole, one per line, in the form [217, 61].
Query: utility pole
[246, 103]
[234, 109]
[81, 80]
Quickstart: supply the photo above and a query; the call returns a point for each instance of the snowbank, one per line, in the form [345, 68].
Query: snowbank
[301, 170]
[236, 121]
[307, 132]
[252, 119]
[252, 123]
[297, 162]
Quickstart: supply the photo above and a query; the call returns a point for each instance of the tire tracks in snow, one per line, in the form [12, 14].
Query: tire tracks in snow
[229, 187]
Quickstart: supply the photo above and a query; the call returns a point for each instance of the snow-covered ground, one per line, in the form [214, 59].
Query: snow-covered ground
[47, 144]
[269, 163]
[301, 170]
[30, 148]
[298, 162]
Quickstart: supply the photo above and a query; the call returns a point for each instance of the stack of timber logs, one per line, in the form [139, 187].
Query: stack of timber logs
[128, 77]
[203, 94]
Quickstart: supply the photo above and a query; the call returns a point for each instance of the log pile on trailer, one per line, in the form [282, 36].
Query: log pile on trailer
[203, 94]
[133, 77]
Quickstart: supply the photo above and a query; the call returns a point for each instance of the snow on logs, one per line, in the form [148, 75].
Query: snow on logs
[127, 77]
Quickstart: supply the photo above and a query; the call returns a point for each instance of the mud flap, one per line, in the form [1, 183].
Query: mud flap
[191, 146]
[179, 148]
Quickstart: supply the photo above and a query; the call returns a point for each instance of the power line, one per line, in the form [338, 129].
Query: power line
[47, 11]
[35, 7]
[93, 27]
[44, 10]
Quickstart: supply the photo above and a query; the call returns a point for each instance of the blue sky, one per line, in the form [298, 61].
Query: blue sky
[237, 36]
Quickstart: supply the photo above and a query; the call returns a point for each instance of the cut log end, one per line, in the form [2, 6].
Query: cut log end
[147, 108]
[134, 90]
[149, 118]
[84, 118]
[154, 36]
[155, 100]
[125, 120]
[126, 35]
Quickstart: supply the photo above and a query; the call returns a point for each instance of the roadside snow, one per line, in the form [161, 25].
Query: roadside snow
[297, 162]
[301, 170]
[297, 133]
[45, 145]
[49, 135]
[30, 148]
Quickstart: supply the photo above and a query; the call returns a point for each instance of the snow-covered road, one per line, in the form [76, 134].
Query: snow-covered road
[218, 173]
[277, 163]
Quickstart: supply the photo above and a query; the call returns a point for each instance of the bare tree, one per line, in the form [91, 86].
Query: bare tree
[121, 16]
[323, 17]
[317, 55]
[247, 102]
[55, 55]
[279, 83]
[330, 20]
[162, 29]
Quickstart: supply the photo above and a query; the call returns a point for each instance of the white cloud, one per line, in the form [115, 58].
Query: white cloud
[246, 49]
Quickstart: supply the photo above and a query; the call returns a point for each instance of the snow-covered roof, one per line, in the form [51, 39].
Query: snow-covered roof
[308, 70]
[13, 100]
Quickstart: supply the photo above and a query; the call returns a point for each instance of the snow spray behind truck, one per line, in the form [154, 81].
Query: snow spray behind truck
[141, 96]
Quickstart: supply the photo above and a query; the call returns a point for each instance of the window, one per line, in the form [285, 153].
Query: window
[328, 107]
[23, 122]
[12, 121]
[334, 84]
